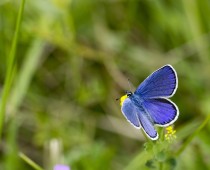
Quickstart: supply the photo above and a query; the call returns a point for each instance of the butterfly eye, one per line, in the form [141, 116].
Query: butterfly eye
[128, 93]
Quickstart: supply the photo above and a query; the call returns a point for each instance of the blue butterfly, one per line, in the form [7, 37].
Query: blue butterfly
[149, 104]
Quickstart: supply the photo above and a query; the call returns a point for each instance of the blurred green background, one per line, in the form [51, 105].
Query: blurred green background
[73, 60]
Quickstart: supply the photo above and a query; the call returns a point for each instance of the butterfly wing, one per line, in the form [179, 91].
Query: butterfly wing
[129, 111]
[147, 125]
[139, 118]
[161, 83]
[162, 111]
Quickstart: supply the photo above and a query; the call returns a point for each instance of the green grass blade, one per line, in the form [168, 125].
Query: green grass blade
[187, 142]
[11, 156]
[30, 64]
[29, 161]
[10, 68]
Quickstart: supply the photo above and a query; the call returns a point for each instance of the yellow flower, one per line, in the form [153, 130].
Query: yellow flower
[170, 133]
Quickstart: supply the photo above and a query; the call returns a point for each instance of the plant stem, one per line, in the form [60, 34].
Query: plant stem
[29, 161]
[161, 139]
[10, 68]
[190, 138]
[161, 132]
[160, 165]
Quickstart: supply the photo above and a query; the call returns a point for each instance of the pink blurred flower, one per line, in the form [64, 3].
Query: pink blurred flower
[61, 167]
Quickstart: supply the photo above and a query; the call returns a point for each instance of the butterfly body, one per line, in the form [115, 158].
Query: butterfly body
[136, 99]
[149, 104]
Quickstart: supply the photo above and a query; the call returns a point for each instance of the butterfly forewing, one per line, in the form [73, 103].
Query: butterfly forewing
[161, 83]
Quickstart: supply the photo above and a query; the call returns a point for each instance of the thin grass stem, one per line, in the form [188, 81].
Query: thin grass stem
[10, 68]
[190, 138]
[29, 161]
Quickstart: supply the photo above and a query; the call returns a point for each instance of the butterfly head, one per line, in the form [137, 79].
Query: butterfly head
[127, 94]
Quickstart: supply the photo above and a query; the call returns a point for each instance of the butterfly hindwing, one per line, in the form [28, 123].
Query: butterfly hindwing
[147, 124]
[162, 111]
[129, 110]
[161, 83]
[139, 118]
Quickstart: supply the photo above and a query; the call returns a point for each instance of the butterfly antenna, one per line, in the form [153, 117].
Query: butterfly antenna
[129, 84]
